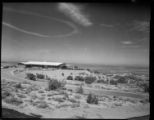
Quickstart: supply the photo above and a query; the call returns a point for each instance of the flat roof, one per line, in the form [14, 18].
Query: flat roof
[42, 63]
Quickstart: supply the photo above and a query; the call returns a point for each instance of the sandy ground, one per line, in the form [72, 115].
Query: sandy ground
[55, 104]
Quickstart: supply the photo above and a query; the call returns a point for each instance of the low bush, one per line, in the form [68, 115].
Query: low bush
[18, 86]
[47, 78]
[92, 99]
[102, 81]
[31, 76]
[40, 76]
[69, 78]
[80, 90]
[55, 84]
[145, 86]
[79, 78]
[6, 94]
[122, 80]
[89, 79]
[113, 82]
[62, 74]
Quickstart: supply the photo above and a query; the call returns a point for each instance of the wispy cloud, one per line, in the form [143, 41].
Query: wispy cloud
[127, 42]
[75, 13]
[24, 31]
[142, 26]
[130, 44]
[74, 28]
[107, 25]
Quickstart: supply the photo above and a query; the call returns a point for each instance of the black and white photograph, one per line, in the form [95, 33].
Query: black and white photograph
[74, 60]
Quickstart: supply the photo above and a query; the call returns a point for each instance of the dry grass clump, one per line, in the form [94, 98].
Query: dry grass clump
[80, 90]
[59, 99]
[13, 100]
[21, 95]
[77, 96]
[6, 94]
[18, 86]
[75, 105]
[40, 91]
[72, 100]
[92, 99]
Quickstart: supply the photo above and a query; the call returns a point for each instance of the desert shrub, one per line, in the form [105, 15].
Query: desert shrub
[62, 74]
[40, 76]
[31, 76]
[6, 94]
[18, 85]
[79, 78]
[77, 96]
[72, 100]
[47, 78]
[55, 84]
[80, 90]
[113, 82]
[75, 105]
[96, 72]
[145, 86]
[69, 78]
[92, 99]
[41, 91]
[102, 81]
[89, 79]
[76, 67]
[122, 80]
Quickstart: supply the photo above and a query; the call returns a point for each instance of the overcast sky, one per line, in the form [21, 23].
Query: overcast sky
[74, 32]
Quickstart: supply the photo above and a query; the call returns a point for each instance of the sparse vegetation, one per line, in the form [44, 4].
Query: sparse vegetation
[13, 100]
[113, 82]
[102, 81]
[55, 84]
[42, 104]
[47, 77]
[89, 79]
[79, 78]
[62, 74]
[145, 86]
[69, 78]
[80, 90]
[6, 94]
[40, 76]
[92, 99]
[18, 85]
[31, 76]
[122, 80]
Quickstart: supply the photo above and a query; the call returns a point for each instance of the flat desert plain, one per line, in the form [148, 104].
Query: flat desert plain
[33, 97]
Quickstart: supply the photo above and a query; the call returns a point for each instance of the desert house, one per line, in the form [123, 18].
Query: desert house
[31, 64]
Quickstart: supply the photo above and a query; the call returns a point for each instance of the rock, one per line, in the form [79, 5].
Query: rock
[41, 104]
